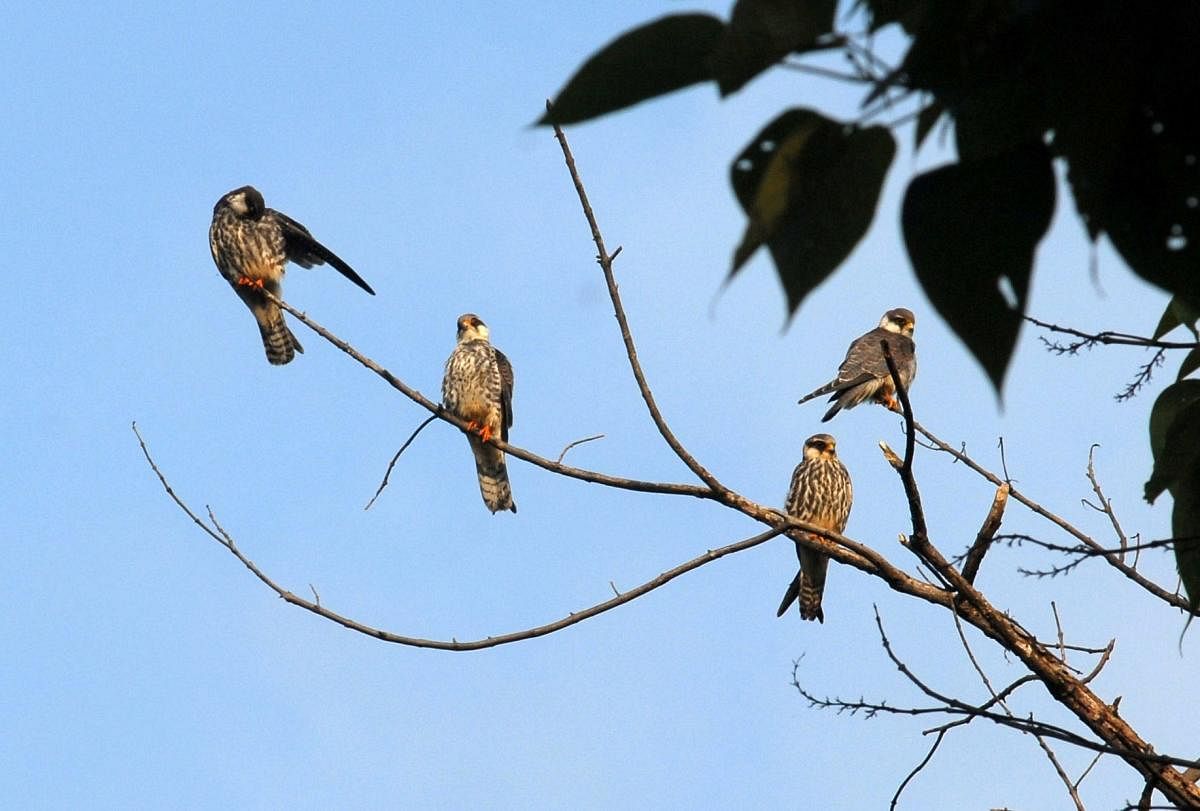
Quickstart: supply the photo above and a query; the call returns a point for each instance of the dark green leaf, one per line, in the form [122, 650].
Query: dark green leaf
[908, 13]
[1174, 435]
[1122, 87]
[761, 32]
[1191, 362]
[927, 118]
[665, 55]
[809, 186]
[1178, 311]
[1185, 527]
[1175, 442]
[971, 228]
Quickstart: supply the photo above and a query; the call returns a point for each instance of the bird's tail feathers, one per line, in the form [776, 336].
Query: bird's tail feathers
[810, 598]
[279, 342]
[789, 596]
[493, 476]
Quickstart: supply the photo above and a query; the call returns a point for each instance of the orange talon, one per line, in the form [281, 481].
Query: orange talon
[485, 433]
[246, 281]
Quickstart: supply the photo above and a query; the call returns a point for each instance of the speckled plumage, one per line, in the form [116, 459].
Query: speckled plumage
[821, 494]
[477, 387]
[864, 374]
[251, 245]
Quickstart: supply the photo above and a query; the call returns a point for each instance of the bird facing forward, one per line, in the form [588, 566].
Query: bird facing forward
[864, 374]
[251, 244]
[477, 387]
[820, 494]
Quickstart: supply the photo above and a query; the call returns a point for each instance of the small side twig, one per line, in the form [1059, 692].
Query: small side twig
[392, 463]
[983, 539]
[558, 461]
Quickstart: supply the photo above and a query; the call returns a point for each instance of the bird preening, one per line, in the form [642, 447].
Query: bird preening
[251, 245]
[477, 387]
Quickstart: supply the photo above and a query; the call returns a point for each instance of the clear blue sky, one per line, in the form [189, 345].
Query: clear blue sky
[144, 667]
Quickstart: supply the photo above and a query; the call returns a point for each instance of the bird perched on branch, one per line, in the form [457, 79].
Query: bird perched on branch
[478, 387]
[251, 244]
[864, 374]
[820, 494]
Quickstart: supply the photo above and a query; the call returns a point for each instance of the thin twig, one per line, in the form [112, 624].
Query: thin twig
[392, 463]
[606, 266]
[1105, 503]
[916, 769]
[1089, 339]
[1113, 559]
[1054, 761]
[223, 537]
[576, 442]
[663, 488]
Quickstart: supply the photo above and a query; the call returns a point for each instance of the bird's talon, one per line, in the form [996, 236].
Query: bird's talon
[485, 433]
[246, 281]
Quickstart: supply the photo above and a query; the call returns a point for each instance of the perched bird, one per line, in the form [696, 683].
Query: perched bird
[820, 494]
[477, 387]
[251, 244]
[864, 374]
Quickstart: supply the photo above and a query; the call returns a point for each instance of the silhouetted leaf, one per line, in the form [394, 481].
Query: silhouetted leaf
[1185, 527]
[1178, 312]
[1175, 442]
[926, 120]
[1174, 435]
[665, 55]
[761, 32]
[1191, 362]
[809, 186]
[908, 13]
[971, 228]
[1122, 87]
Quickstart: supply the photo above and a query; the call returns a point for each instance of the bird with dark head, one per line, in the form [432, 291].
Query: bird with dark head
[478, 387]
[864, 374]
[251, 245]
[820, 494]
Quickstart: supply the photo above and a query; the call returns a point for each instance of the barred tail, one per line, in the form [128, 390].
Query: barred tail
[279, 342]
[810, 599]
[813, 568]
[493, 476]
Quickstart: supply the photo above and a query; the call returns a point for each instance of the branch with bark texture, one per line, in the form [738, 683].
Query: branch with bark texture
[957, 593]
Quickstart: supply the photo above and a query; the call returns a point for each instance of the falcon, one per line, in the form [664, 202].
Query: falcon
[820, 494]
[251, 244]
[477, 387]
[864, 374]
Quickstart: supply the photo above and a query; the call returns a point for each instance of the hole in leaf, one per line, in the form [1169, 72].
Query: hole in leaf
[1004, 285]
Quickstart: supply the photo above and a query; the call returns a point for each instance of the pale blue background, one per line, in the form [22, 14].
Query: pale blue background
[144, 667]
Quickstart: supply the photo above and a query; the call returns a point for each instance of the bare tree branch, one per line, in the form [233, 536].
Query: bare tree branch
[1112, 557]
[223, 537]
[577, 442]
[983, 539]
[663, 488]
[387, 474]
[1087, 339]
[606, 261]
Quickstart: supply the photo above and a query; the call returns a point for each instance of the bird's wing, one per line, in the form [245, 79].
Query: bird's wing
[865, 357]
[305, 251]
[506, 392]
